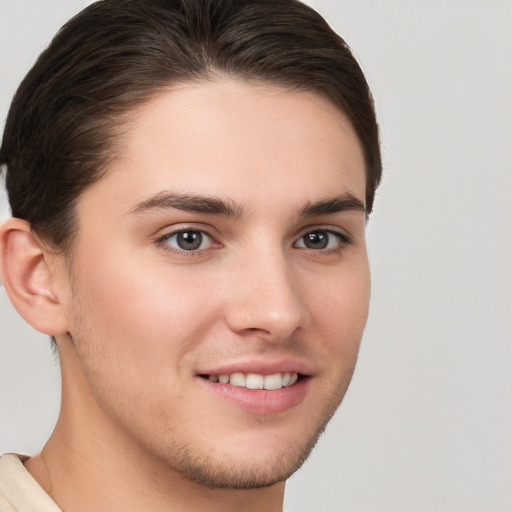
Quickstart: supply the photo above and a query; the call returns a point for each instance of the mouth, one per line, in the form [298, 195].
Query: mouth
[258, 393]
[255, 380]
[258, 386]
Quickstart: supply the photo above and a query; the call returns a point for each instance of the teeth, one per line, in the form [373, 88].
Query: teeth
[275, 381]
[237, 379]
[256, 381]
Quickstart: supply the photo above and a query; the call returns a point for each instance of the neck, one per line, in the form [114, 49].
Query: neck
[80, 483]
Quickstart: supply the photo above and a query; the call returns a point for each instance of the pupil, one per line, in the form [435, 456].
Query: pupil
[189, 240]
[316, 240]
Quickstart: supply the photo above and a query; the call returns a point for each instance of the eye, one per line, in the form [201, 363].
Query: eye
[321, 239]
[188, 240]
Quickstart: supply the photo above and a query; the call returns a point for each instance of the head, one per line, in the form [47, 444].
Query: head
[197, 175]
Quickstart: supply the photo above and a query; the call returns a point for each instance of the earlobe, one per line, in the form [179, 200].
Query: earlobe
[28, 278]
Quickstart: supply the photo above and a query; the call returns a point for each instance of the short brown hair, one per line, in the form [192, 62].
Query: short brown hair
[61, 129]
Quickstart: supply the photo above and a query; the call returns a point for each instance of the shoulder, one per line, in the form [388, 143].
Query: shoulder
[19, 492]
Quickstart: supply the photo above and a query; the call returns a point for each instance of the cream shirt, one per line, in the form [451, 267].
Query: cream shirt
[19, 492]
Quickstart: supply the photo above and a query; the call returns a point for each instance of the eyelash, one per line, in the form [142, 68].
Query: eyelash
[342, 238]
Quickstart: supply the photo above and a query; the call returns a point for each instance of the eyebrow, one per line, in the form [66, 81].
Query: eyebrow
[214, 206]
[342, 203]
[189, 203]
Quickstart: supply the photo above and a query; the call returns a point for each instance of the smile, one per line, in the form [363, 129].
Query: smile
[255, 380]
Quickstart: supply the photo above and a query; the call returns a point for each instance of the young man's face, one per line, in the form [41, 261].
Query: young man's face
[227, 241]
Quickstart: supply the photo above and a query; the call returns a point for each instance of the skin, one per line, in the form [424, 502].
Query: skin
[137, 319]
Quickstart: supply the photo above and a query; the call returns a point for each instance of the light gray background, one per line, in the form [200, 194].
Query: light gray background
[427, 423]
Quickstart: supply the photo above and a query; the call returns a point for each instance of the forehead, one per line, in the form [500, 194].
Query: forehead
[236, 140]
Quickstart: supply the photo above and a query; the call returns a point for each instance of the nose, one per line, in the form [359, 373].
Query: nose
[265, 298]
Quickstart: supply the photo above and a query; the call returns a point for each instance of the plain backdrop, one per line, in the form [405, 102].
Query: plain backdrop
[427, 422]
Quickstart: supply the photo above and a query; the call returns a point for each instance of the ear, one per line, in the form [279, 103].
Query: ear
[29, 278]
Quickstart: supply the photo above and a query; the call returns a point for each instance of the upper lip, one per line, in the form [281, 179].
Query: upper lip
[259, 367]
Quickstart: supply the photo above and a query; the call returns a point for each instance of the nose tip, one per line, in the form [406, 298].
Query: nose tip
[267, 300]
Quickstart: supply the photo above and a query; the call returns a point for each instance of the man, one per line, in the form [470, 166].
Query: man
[190, 183]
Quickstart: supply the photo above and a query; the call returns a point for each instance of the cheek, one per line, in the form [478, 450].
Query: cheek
[140, 307]
[136, 333]
[341, 311]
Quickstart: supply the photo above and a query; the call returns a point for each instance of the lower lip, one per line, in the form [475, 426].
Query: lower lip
[260, 401]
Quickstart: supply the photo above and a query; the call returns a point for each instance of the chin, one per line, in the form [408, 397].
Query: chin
[236, 474]
[247, 471]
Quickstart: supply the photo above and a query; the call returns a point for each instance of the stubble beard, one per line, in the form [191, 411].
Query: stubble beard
[215, 470]
[219, 472]
[226, 471]
[238, 474]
